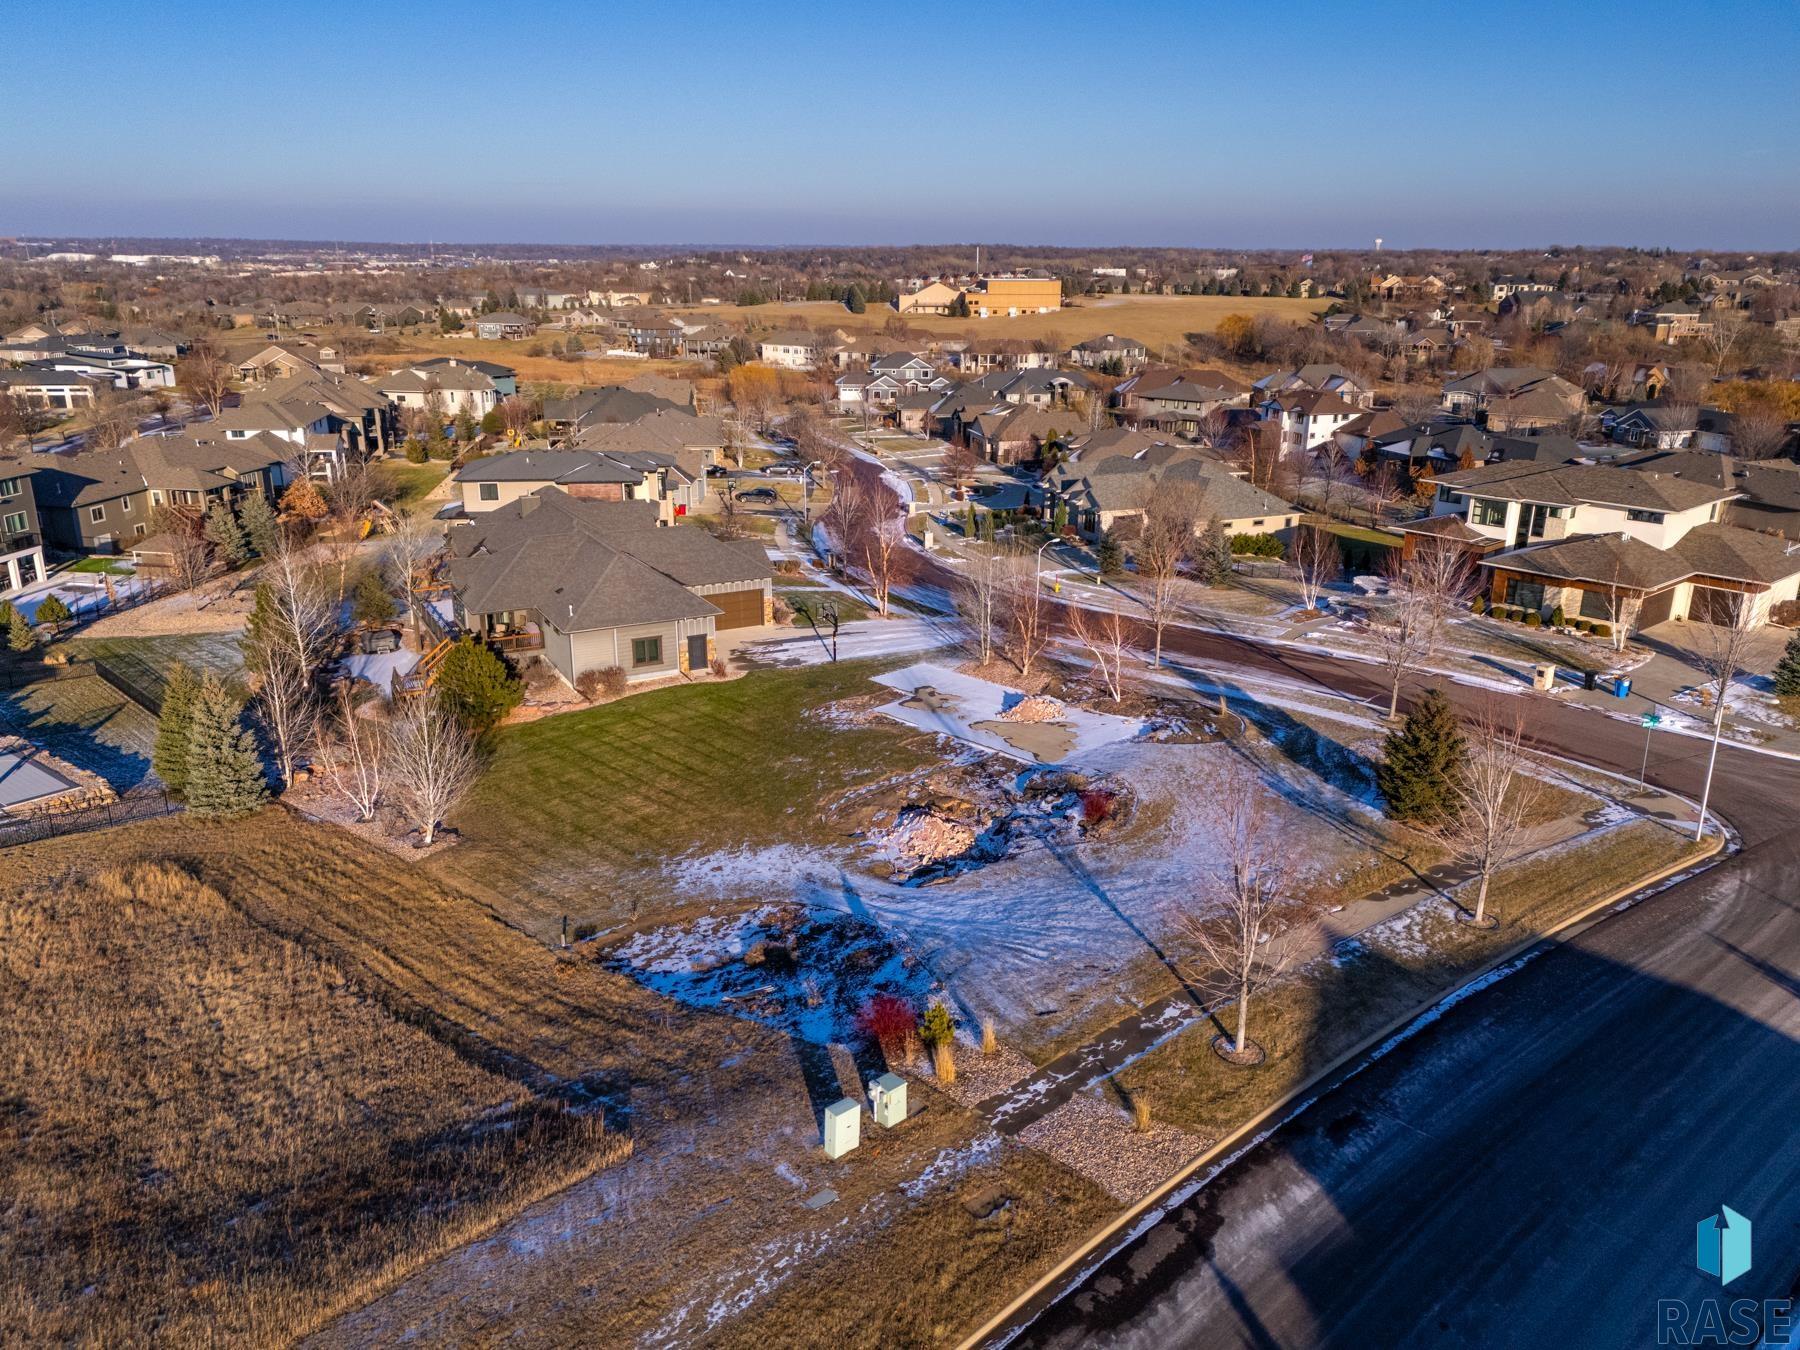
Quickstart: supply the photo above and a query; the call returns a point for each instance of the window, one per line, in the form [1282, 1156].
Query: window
[125, 505]
[14, 523]
[9, 487]
[1487, 513]
[490, 492]
[138, 531]
[96, 514]
[1647, 517]
[1448, 495]
[646, 651]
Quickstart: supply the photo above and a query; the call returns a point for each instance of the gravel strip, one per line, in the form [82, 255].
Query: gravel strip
[1094, 1136]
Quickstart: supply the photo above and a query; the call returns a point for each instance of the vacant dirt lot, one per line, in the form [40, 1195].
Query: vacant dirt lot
[208, 1131]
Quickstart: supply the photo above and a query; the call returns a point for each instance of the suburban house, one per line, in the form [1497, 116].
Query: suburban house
[693, 442]
[1319, 377]
[283, 360]
[600, 585]
[329, 416]
[494, 481]
[1111, 353]
[1516, 285]
[1673, 322]
[792, 350]
[981, 356]
[110, 362]
[888, 379]
[53, 389]
[505, 378]
[1178, 400]
[1597, 541]
[503, 324]
[21, 535]
[609, 403]
[101, 500]
[1308, 419]
[1652, 425]
[458, 389]
[1109, 489]
[654, 335]
[1013, 434]
[1514, 398]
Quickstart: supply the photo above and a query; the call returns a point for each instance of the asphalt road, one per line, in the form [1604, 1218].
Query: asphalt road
[1528, 1170]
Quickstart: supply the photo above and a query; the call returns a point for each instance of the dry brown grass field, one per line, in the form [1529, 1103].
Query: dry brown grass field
[1157, 320]
[317, 1021]
[209, 1132]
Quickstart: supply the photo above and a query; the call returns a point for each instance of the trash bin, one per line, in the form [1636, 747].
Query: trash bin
[1543, 676]
[1622, 686]
[1590, 679]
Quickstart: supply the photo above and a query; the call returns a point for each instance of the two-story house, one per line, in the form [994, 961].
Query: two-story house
[1600, 541]
[792, 350]
[21, 536]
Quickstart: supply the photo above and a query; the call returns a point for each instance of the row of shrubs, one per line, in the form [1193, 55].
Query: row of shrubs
[1532, 618]
[1258, 546]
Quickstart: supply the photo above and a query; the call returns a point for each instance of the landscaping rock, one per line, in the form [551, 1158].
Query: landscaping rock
[1036, 708]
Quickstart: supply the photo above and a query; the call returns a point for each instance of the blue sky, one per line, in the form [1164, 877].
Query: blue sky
[1249, 125]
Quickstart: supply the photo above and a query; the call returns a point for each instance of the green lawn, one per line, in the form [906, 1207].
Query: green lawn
[402, 485]
[99, 567]
[803, 602]
[577, 812]
[87, 722]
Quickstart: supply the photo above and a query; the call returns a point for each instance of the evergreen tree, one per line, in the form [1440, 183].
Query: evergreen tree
[492, 422]
[370, 602]
[53, 610]
[1110, 554]
[6, 609]
[1423, 757]
[175, 727]
[260, 526]
[20, 635]
[225, 534]
[477, 686]
[465, 426]
[224, 768]
[1212, 559]
[1787, 670]
[854, 302]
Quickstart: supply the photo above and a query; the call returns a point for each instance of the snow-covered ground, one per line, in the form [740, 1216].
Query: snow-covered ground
[862, 638]
[950, 703]
[380, 668]
[1039, 937]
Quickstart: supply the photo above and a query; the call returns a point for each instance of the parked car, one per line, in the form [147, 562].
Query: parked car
[378, 640]
[758, 494]
[782, 469]
[716, 470]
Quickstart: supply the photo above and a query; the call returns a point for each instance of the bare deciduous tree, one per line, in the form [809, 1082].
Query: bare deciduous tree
[1401, 628]
[1758, 431]
[412, 541]
[1241, 929]
[959, 466]
[190, 560]
[1624, 604]
[1165, 539]
[1722, 336]
[1444, 579]
[980, 597]
[431, 761]
[1491, 800]
[1315, 561]
[205, 375]
[1024, 612]
[289, 636]
[351, 754]
[1107, 636]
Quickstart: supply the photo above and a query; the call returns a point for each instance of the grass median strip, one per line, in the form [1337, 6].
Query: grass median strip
[1310, 1019]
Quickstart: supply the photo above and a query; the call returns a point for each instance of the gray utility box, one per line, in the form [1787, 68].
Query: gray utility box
[887, 1099]
[843, 1127]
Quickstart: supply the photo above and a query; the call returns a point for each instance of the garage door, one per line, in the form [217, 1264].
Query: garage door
[1656, 610]
[1712, 605]
[743, 609]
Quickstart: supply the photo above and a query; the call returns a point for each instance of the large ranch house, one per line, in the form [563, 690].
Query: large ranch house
[598, 584]
[1585, 538]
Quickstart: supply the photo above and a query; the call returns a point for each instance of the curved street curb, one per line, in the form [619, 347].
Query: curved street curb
[1223, 1151]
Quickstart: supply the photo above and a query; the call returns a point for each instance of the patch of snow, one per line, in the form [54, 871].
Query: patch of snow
[856, 640]
[953, 1162]
[970, 709]
[380, 668]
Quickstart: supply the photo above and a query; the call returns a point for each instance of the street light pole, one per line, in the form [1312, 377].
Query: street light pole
[1712, 758]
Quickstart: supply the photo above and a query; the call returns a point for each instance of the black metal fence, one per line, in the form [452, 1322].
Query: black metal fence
[140, 804]
[135, 678]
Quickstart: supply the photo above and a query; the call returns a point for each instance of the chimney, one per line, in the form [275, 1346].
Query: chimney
[528, 504]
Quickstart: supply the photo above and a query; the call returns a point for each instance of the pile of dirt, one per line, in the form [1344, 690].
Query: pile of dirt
[924, 835]
[1036, 708]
